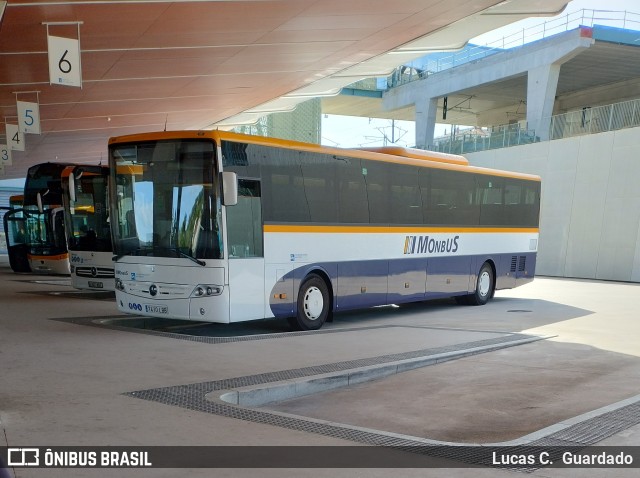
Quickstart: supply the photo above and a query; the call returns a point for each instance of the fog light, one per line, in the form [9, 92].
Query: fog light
[202, 311]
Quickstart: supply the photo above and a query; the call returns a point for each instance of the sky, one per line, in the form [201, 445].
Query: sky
[349, 132]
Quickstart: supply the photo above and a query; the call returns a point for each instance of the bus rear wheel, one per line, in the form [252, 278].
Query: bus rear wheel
[313, 304]
[484, 286]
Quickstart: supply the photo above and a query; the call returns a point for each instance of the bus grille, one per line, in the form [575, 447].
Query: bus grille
[101, 272]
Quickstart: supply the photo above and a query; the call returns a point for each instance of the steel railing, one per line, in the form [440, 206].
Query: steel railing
[585, 17]
[588, 120]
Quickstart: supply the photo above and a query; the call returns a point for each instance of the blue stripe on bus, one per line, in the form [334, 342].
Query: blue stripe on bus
[362, 284]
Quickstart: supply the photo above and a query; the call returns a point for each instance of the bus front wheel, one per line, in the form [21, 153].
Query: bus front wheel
[313, 304]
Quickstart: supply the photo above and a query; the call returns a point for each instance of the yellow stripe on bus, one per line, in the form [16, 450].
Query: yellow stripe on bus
[391, 229]
[59, 257]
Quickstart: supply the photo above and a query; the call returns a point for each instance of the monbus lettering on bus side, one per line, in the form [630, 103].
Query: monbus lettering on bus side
[426, 244]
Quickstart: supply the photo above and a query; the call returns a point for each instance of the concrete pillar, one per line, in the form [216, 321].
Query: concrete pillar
[425, 122]
[542, 83]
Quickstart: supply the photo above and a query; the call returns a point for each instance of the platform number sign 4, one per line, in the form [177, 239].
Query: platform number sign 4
[15, 139]
[64, 61]
[28, 117]
[5, 156]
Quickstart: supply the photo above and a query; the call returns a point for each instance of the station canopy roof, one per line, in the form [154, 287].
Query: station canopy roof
[150, 65]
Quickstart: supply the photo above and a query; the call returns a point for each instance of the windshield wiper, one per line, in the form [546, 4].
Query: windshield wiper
[191, 258]
[175, 250]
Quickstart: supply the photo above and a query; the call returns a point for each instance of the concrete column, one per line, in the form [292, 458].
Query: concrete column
[542, 83]
[425, 122]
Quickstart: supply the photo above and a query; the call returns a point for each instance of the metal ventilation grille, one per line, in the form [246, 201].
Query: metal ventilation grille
[522, 264]
[514, 263]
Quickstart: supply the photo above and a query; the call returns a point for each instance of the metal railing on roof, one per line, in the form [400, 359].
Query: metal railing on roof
[588, 120]
[585, 17]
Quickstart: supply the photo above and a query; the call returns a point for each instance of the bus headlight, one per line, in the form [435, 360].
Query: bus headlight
[206, 290]
[119, 284]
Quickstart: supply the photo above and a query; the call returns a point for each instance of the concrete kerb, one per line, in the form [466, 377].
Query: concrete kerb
[252, 396]
[256, 397]
[569, 422]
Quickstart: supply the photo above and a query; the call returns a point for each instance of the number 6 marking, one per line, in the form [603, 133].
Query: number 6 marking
[64, 62]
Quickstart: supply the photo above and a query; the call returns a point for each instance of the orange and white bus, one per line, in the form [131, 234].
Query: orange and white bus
[221, 227]
[43, 211]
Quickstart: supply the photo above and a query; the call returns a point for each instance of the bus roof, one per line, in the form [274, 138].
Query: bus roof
[391, 154]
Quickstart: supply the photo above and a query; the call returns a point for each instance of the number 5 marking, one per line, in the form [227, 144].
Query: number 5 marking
[29, 117]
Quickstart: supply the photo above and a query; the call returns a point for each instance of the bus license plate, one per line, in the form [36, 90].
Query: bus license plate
[156, 309]
[96, 285]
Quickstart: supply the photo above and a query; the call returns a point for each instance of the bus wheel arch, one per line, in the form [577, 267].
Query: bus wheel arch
[314, 302]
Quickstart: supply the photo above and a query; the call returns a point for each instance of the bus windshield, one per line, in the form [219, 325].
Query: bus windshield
[164, 200]
[89, 214]
[45, 231]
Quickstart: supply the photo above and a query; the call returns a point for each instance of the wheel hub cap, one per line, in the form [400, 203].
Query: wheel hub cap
[313, 303]
[484, 283]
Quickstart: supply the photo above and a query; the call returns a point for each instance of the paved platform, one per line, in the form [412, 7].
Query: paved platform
[73, 373]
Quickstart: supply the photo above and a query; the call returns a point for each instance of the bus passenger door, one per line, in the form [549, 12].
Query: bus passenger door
[246, 253]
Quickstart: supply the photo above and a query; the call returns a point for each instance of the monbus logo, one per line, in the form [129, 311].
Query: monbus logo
[424, 244]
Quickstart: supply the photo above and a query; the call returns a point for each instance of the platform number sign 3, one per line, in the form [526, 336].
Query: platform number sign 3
[64, 61]
[15, 139]
[5, 156]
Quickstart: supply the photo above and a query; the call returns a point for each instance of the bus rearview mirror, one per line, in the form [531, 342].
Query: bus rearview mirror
[39, 201]
[229, 188]
[72, 187]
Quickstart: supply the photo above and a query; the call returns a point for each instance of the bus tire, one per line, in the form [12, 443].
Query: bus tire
[314, 304]
[485, 283]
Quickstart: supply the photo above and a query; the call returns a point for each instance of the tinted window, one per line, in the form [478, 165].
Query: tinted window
[376, 175]
[405, 195]
[353, 206]
[320, 185]
[451, 199]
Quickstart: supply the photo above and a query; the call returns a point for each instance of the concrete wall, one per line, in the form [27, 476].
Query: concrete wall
[590, 212]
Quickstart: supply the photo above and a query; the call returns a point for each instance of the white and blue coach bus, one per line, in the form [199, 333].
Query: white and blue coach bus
[221, 227]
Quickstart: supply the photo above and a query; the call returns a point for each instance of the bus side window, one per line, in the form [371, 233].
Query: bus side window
[244, 221]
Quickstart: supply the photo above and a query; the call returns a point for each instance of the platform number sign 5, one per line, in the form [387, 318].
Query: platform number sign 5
[5, 156]
[64, 61]
[15, 139]
[28, 117]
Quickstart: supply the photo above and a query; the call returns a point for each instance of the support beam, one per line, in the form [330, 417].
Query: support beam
[425, 122]
[542, 83]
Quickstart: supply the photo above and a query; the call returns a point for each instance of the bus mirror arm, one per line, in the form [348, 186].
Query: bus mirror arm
[229, 188]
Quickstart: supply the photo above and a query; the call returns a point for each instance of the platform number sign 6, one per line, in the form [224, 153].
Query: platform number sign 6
[64, 61]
